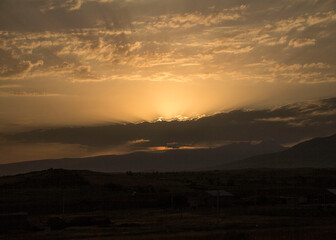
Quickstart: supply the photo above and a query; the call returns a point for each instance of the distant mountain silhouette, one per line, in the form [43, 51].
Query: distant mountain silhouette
[315, 153]
[170, 160]
[49, 178]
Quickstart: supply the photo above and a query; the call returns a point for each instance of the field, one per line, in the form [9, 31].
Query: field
[265, 204]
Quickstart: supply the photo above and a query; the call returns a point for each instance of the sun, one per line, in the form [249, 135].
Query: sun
[172, 106]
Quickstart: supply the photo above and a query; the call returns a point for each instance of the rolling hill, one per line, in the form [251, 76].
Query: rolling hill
[315, 153]
[170, 160]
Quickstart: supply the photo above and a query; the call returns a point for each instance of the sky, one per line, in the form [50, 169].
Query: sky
[67, 64]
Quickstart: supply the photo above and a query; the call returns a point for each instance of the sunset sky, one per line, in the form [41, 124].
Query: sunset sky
[89, 63]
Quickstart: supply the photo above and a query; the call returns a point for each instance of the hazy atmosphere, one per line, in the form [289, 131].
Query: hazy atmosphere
[168, 119]
[201, 73]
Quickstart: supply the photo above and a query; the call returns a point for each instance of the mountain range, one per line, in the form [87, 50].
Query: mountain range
[315, 153]
[168, 160]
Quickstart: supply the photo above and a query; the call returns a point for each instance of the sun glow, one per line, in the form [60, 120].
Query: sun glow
[175, 118]
[180, 101]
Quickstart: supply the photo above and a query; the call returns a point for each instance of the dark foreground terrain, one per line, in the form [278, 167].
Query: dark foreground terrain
[234, 205]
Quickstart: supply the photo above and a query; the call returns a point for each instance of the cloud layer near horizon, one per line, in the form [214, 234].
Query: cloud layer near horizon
[285, 125]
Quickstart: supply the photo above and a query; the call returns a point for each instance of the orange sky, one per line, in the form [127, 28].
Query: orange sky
[92, 61]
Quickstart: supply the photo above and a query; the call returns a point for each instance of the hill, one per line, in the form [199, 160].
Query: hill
[315, 153]
[170, 160]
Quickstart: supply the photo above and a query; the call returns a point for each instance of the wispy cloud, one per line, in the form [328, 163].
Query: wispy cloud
[99, 51]
[21, 93]
[301, 42]
[190, 20]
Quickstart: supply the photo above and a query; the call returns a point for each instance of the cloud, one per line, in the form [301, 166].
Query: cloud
[92, 53]
[189, 20]
[116, 42]
[83, 73]
[277, 119]
[25, 93]
[234, 50]
[302, 22]
[20, 70]
[9, 86]
[25, 152]
[301, 42]
[60, 15]
[69, 5]
[284, 124]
